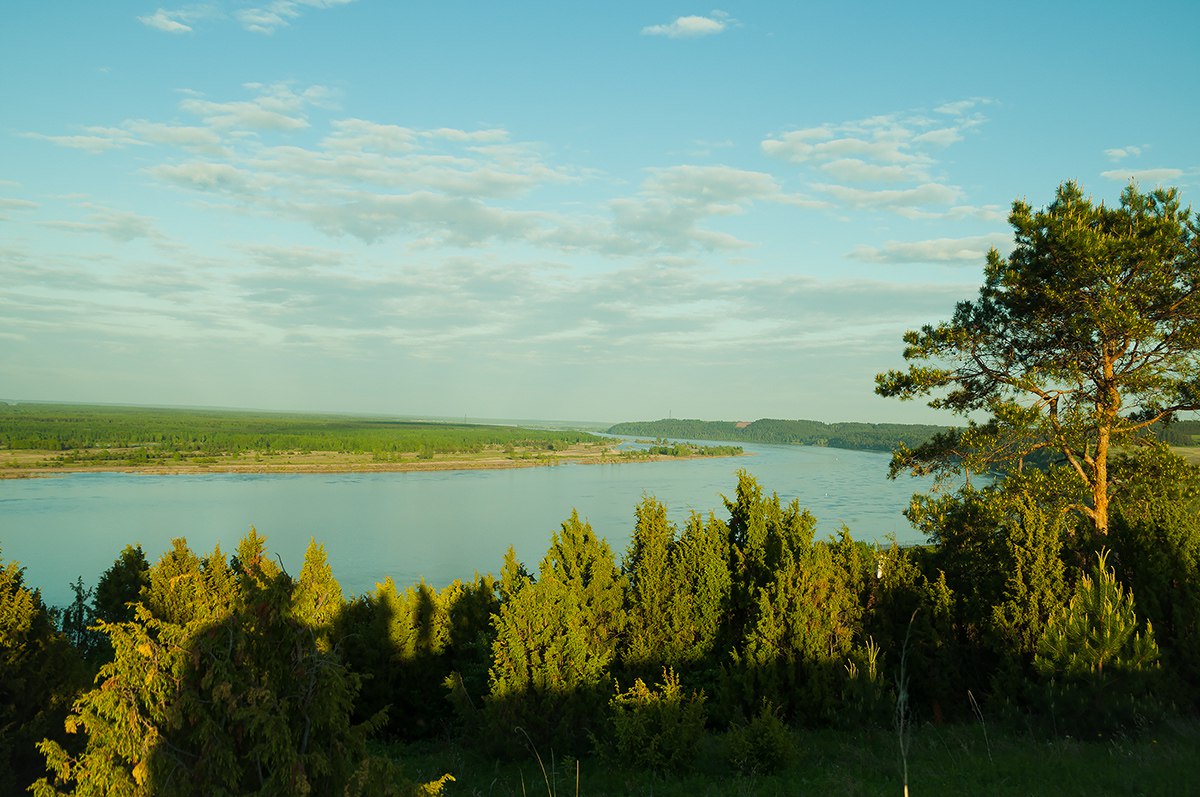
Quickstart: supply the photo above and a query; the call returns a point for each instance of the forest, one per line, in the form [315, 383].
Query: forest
[850, 435]
[99, 432]
[1046, 637]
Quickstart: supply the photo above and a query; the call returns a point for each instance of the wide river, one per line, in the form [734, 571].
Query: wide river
[435, 525]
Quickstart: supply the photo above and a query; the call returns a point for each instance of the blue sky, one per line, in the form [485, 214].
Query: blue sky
[543, 210]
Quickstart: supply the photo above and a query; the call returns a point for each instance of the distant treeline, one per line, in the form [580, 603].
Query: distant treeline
[1181, 433]
[159, 432]
[857, 436]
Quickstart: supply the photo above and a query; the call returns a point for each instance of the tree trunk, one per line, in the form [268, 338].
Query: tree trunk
[1100, 485]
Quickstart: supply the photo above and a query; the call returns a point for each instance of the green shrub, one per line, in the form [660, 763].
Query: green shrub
[761, 746]
[655, 729]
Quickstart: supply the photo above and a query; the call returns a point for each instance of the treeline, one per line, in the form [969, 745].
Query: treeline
[1180, 433]
[222, 674]
[855, 436]
[90, 431]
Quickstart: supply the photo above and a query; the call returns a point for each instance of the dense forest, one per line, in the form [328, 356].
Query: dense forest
[857, 436]
[91, 431]
[850, 435]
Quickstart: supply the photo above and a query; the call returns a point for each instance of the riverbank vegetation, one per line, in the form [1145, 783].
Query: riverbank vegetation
[40, 438]
[854, 436]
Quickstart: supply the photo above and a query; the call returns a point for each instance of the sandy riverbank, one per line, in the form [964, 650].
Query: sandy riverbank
[27, 464]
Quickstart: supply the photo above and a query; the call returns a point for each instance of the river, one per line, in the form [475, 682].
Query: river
[434, 525]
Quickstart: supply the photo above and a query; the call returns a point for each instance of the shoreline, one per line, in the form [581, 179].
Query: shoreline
[40, 464]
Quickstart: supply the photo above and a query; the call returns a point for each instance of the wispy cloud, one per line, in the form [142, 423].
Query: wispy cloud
[280, 13]
[691, 27]
[1120, 153]
[262, 18]
[1161, 175]
[959, 251]
[888, 161]
[172, 21]
[119, 225]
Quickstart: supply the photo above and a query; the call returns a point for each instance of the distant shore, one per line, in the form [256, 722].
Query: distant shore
[23, 464]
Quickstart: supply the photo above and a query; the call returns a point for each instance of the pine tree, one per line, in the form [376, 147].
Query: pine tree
[1097, 632]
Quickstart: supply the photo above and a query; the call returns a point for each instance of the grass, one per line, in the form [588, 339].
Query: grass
[947, 760]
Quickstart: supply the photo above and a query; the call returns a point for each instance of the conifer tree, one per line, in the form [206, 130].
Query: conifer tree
[700, 600]
[555, 641]
[317, 599]
[39, 673]
[652, 590]
[121, 585]
[1097, 632]
[234, 698]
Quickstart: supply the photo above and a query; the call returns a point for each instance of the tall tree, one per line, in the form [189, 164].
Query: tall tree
[1086, 335]
[39, 674]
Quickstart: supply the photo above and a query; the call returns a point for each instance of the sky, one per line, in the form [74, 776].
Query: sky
[604, 212]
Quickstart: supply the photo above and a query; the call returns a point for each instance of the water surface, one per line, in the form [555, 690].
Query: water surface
[436, 525]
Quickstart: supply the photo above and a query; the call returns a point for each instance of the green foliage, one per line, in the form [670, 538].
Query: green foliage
[1086, 336]
[658, 729]
[75, 621]
[141, 435]
[805, 623]
[556, 639]
[317, 599]
[678, 587]
[1156, 536]
[39, 673]
[407, 643]
[232, 697]
[1034, 585]
[794, 609]
[854, 436]
[1099, 660]
[761, 745]
[1097, 630]
[121, 586]
[765, 538]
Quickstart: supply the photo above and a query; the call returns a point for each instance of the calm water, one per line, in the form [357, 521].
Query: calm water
[439, 526]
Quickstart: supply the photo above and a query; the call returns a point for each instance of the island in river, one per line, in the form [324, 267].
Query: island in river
[43, 439]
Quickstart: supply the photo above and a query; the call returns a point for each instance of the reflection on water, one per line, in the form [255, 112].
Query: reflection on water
[439, 525]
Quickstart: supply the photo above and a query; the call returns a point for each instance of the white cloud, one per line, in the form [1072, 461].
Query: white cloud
[1120, 153]
[858, 171]
[166, 21]
[966, 251]
[1143, 175]
[885, 162]
[17, 204]
[690, 27]
[280, 13]
[667, 213]
[216, 177]
[200, 139]
[94, 139]
[895, 199]
[120, 225]
[275, 108]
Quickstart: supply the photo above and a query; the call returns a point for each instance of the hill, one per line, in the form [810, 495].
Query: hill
[856, 436]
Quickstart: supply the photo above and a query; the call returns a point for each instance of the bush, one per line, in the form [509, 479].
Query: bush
[761, 746]
[655, 729]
